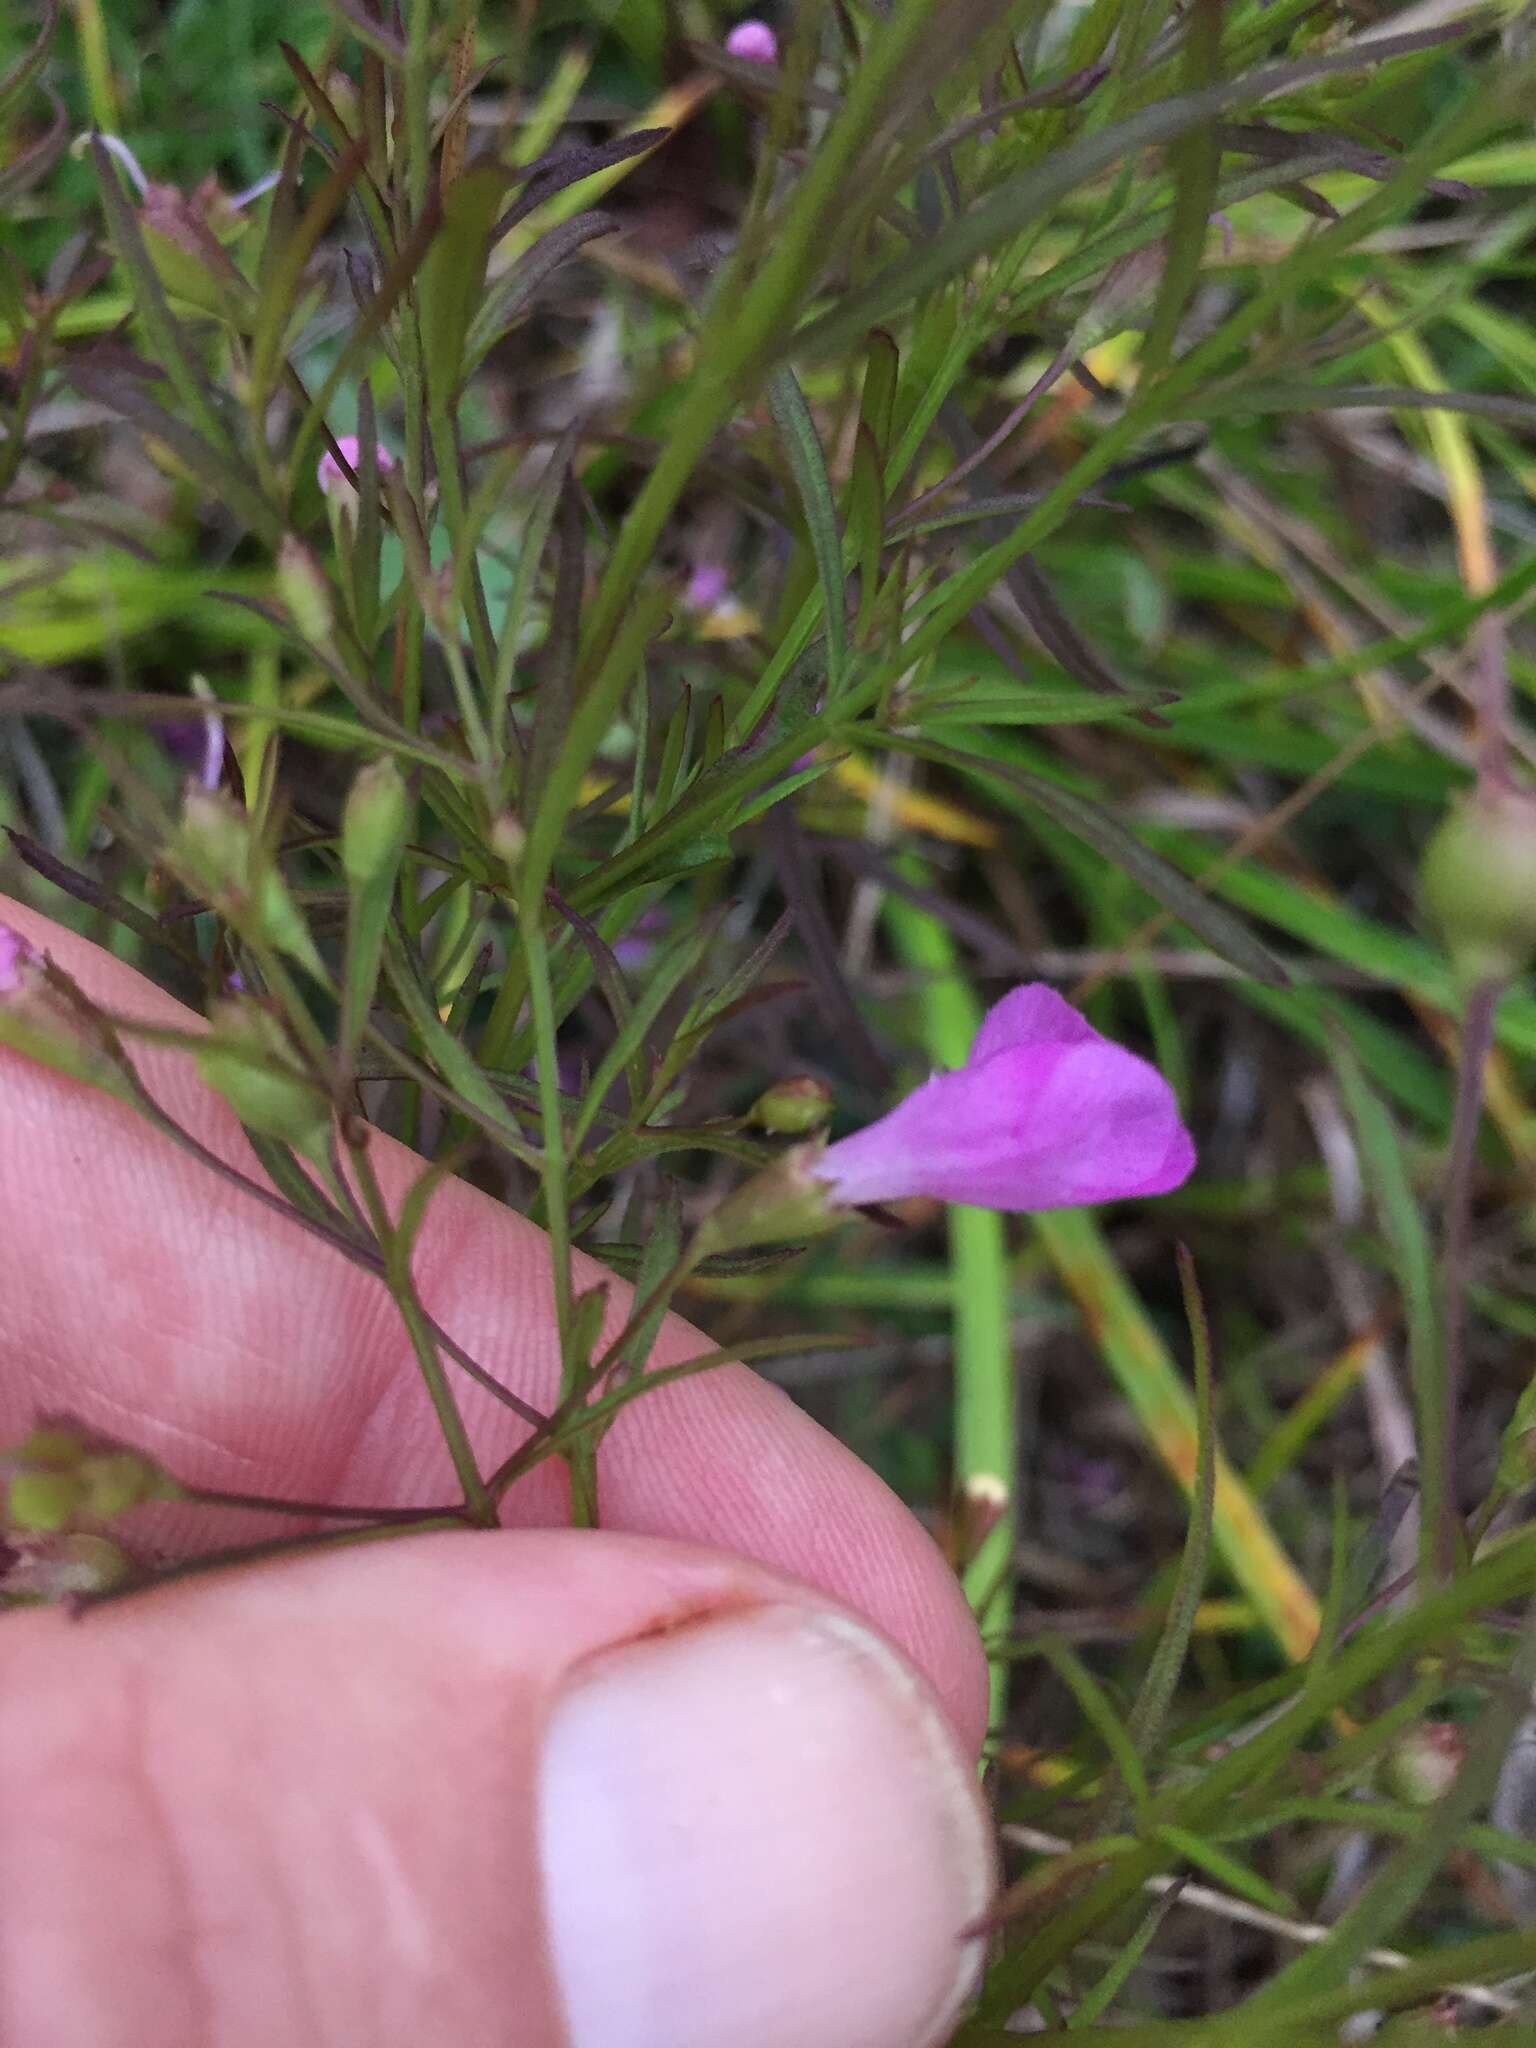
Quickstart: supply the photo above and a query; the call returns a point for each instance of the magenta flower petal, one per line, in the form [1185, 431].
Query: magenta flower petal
[1032, 1015]
[1046, 1114]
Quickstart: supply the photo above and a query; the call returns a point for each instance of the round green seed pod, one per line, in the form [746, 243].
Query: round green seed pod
[793, 1107]
[1477, 885]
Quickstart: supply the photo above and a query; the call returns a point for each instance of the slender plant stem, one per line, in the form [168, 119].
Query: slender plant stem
[1476, 1044]
[581, 1458]
[420, 1330]
[331, 1511]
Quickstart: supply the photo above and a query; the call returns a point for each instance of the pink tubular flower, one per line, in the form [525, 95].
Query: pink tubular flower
[1045, 1114]
[330, 475]
[753, 40]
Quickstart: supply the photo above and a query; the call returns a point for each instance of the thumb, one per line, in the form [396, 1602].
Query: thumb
[513, 1790]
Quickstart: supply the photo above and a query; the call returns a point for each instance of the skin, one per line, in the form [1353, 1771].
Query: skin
[267, 1749]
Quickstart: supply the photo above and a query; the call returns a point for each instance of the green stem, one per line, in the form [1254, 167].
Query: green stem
[554, 1182]
[477, 1498]
[985, 1417]
[1476, 1044]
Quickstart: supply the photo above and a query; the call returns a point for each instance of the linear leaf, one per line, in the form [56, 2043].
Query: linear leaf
[808, 465]
[1023, 199]
[1085, 820]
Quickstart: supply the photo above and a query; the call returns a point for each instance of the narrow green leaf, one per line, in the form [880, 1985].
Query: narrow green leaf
[1195, 160]
[1227, 1870]
[866, 519]
[1402, 1222]
[882, 373]
[1098, 1711]
[1150, 1712]
[17, 81]
[1211, 921]
[454, 273]
[808, 465]
[275, 308]
[1004, 215]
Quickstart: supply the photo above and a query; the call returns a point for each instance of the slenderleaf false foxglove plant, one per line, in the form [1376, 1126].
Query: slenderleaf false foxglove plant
[1046, 1113]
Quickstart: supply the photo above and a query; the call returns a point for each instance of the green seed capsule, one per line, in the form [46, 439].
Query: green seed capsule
[793, 1107]
[1477, 885]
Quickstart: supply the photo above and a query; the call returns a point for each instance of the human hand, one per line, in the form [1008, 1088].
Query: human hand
[638, 1788]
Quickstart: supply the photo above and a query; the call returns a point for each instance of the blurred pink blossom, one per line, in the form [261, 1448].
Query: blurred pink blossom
[753, 40]
[333, 478]
[15, 954]
[708, 586]
[1045, 1114]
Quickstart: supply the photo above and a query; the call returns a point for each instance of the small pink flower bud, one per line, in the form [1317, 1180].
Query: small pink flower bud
[1045, 1114]
[754, 41]
[333, 479]
[508, 840]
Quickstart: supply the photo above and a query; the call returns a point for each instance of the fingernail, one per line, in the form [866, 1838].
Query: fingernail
[759, 1829]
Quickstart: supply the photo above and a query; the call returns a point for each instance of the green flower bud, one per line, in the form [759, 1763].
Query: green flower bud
[1477, 885]
[250, 1062]
[43, 1499]
[214, 844]
[793, 1107]
[373, 825]
[1124, 298]
[46, 1569]
[306, 591]
[182, 240]
[63, 1474]
[508, 840]
[38, 1020]
[217, 853]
